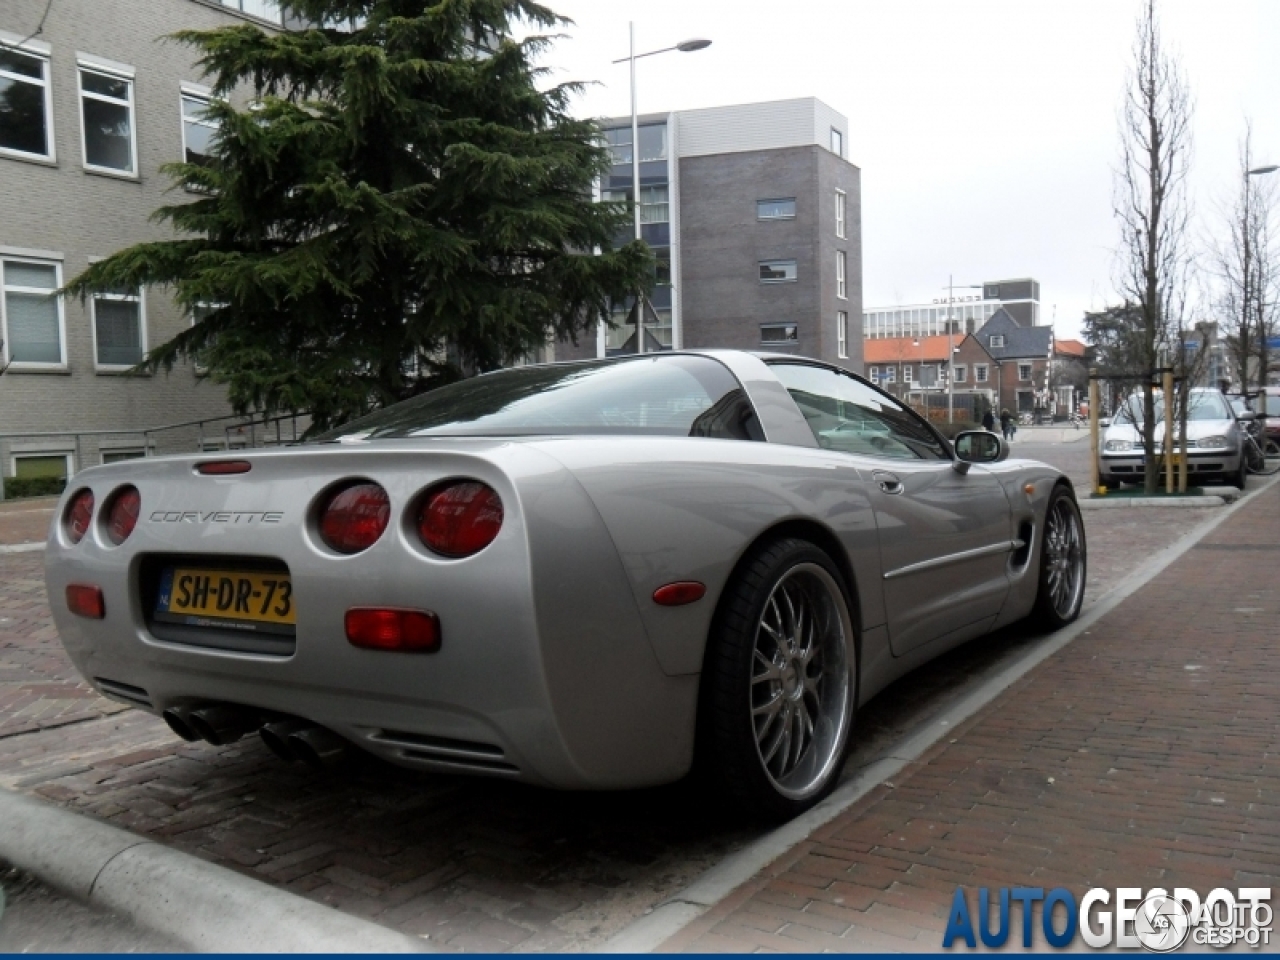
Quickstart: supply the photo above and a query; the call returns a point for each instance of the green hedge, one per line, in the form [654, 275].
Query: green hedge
[15, 487]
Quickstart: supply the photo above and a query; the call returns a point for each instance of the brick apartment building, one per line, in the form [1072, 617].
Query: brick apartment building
[754, 214]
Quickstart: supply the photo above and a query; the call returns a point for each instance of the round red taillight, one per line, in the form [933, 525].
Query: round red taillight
[78, 516]
[122, 514]
[460, 518]
[355, 517]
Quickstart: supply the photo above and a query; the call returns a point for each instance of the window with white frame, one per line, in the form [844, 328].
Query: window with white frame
[842, 335]
[908, 373]
[890, 374]
[996, 340]
[777, 271]
[31, 319]
[961, 371]
[842, 286]
[873, 373]
[119, 329]
[106, 117]
[980, 373]
[26, 111]
[197, 128]
[837, 142]
[654, 205]
[31, 466]
[1024, 371]
[840, 214]
[117, 456]
[263, 9]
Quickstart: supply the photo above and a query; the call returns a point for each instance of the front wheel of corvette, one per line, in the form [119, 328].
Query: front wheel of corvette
[780, 682]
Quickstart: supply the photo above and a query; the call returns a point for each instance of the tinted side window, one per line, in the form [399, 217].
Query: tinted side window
[847, 415]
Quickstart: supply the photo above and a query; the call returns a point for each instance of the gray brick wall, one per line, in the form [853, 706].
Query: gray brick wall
[63, 208]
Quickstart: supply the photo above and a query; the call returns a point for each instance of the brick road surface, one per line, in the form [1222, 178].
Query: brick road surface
[1146, 753]
[475, 864]
[25, 521]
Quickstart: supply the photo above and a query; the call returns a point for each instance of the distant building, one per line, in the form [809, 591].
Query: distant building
[1009, 360]
[754, 214]
[1019, 298]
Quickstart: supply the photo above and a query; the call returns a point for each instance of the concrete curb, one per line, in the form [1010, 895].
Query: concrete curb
[203, 906]
[21, 547]
[1186, 503]
[683, 907]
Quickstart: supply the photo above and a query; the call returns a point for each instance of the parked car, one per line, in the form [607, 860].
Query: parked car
[1215, 450]
[583, 575]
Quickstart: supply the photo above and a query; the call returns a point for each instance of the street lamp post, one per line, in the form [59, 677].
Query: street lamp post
[685, 46]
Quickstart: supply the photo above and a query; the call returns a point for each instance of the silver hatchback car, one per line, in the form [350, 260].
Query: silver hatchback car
[1215, 448]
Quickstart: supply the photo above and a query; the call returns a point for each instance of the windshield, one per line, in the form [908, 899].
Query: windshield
[1204, 405]
[672, 395]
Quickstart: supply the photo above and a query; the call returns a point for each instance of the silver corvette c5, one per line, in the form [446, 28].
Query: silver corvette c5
[583, 575]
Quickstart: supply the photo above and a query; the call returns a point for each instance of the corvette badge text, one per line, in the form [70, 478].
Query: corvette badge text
[221, 516]
[1127, 917]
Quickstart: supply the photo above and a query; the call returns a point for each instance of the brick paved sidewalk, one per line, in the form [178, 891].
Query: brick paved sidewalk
[477, 864]
[1146, 753]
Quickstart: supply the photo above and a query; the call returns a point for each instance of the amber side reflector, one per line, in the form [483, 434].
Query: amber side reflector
[679, 593]
[220, 468]
[408, 631]
[86, 600]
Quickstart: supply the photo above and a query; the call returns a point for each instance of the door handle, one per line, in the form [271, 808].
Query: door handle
[888, 482]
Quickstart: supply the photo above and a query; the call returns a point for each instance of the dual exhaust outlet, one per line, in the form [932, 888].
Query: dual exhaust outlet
[289, 739]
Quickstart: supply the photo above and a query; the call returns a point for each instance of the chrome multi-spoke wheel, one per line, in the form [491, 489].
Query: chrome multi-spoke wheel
[780, 682]
[800, 684]
[1062, 564]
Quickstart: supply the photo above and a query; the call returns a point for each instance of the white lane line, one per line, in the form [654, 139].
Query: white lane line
[682, 908]
[21, 547]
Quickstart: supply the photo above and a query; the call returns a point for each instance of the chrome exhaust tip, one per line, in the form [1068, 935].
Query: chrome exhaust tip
[276, 737]
[222, 723]
[319, 748]
[178, 719]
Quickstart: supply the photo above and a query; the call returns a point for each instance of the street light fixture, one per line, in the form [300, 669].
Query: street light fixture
[1260, 170]
[684, 46]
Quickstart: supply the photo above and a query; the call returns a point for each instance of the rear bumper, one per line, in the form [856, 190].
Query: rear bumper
[534, 681]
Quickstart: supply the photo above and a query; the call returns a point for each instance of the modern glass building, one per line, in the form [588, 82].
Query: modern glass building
[1021, 298]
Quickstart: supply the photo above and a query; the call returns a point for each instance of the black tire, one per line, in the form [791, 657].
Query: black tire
[753, 689]
[1057, 606]
[1241, 476]
[1109, 483]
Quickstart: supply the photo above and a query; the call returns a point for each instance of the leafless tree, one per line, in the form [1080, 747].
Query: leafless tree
[1245, 259]
[1152, 206]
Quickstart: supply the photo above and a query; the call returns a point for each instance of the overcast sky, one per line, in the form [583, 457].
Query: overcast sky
[985, 129]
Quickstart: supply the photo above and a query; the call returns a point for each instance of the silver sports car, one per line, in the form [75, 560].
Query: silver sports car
[582, 575]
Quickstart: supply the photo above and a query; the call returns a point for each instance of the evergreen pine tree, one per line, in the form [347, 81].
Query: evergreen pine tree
[399, 202]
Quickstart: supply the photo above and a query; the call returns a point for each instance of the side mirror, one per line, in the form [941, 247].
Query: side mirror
[979, 446]
[1246, 415]
[1104, 421]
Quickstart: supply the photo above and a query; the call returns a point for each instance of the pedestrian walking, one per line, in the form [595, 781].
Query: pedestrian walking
[989, 421]
[1006, 424]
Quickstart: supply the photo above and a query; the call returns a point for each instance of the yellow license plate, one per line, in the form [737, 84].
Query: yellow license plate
[245, 596]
